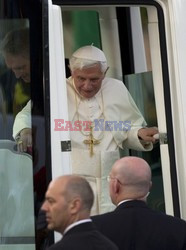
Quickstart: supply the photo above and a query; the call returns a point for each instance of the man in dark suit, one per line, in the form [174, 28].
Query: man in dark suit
[67, 205]
[132, 225]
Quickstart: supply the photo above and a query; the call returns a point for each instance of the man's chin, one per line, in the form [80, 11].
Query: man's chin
[50, 226]
[27, 80]
[87, 94]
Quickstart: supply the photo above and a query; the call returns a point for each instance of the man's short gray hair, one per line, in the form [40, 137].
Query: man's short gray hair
[79, 186]
[16, 42]
[81, 63]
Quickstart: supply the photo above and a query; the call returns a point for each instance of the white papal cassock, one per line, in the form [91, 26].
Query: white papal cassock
[112, 112]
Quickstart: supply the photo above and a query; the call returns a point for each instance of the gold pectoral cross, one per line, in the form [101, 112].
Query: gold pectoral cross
[91, 142]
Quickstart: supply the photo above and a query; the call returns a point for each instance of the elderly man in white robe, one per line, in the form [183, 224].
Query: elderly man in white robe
[105, 119]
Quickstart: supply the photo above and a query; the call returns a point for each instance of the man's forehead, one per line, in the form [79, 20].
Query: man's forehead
[15, 56]
[53, 185]
[16, 60]
[57, 185]
[93, 69]
[53, 192]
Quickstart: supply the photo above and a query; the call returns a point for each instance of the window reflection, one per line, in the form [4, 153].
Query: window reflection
[15, 91]
[16, 169]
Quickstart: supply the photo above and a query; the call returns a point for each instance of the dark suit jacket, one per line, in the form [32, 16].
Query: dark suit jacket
[84, 237]
[134, 226]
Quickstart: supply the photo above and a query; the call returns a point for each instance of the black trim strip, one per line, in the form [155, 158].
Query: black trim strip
[125, 39]
[46, 84]
[46, 77]
[103, 2]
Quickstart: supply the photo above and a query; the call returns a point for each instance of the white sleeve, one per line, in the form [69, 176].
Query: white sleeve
[22, 120]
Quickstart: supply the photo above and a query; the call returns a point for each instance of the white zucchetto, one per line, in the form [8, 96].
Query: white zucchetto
[90, 52]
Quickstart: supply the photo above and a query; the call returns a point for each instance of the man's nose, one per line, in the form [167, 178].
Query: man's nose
[18, 73]
[87, 84]
[44, 206]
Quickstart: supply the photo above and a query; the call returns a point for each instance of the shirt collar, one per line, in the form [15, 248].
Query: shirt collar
[75, 224]
[123, 201]
[142, 198]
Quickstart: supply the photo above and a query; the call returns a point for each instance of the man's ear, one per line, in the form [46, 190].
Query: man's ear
[75, 205]
[116, 186]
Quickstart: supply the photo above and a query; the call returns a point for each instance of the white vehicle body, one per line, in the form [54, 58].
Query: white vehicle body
[175, 38]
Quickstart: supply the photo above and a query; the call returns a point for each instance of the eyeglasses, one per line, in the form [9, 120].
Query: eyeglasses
[109, 178]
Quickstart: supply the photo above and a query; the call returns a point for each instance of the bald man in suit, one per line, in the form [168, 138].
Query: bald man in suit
[67, 205]
[133, 225]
